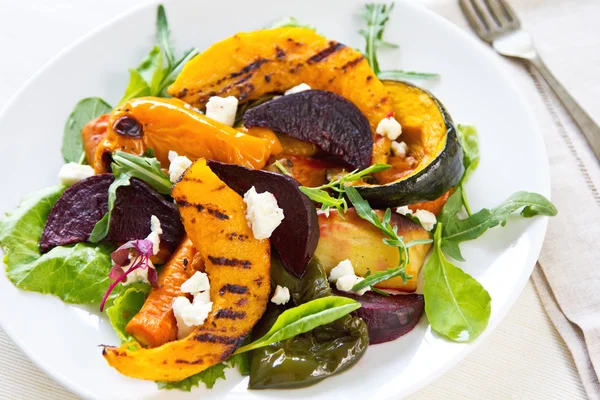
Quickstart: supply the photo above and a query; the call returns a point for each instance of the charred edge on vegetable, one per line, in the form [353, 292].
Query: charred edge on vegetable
[242, 302]
[258, 281]
[230, 314]
[236, 289]
[237, 236]
[185, 262]
[323, 54]
[183, 203]
[220, 187]
[196, 362]
[216, 213]
[230, 262]
[352, 63]
[250, 67]
[191, 179]
[210, 338]
[280, 54]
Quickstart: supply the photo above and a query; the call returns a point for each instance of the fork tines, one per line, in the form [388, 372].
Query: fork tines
[490, 18]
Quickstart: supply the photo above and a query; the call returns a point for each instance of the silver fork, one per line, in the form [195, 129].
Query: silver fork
[495, 22]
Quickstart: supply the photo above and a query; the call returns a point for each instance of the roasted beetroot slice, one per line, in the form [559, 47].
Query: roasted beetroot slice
[81, 206]
[296, 238]
[76, 212]
[320, 117]
[390, 317]
[134, 207]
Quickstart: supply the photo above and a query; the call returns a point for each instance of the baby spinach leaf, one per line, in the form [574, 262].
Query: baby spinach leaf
[126, 306]
[137, 87]
[101, 228]
[209, 377]
[456, 305]
[459, 230]
[304, 318]
[85, 111]
[76, 274]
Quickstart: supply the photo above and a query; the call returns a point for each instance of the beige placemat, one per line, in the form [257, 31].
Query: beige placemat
[524, 358]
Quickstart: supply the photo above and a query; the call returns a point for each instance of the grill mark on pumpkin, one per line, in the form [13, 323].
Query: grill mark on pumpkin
[280, 54]
[242, 302]
[250, 67]
[196, 362]
[352, 63]
[231, 288]
[323, 54]
[191, 179]
[237, 236]
[184, 203]
[230, 314]
[210, 338]
[230, 262]
[217, 213]
[220, 187]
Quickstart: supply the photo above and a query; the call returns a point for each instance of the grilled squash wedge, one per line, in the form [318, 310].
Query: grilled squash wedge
[238, 267]
[249, 65]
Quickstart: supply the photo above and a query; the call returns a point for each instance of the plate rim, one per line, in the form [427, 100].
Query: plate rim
[491, 58]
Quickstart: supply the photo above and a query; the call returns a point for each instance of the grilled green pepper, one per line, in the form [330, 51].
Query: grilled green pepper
[311, 357]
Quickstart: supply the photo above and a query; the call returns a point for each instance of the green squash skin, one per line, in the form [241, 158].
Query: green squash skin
[430, 183]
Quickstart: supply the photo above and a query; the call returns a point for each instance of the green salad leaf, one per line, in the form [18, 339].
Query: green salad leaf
[84, 111]
[458, 230]
[304, 318]
[159, 68]
[469, 142]
[76, 274]
[376, 15]
[456, 305]
[124, 167]
[126, 306]
[209, 377]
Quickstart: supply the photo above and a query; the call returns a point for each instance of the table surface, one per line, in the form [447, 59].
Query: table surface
[524, 358]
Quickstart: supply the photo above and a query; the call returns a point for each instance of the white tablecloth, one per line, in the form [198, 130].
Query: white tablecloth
[524, 358]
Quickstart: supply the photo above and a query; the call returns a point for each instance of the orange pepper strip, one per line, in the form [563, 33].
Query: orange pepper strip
[171, 124]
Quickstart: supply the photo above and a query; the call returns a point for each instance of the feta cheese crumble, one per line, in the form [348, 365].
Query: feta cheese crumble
[344, 278]
[178, 165]
[297, 89]
[196, 284]
[191, 314]
[72, 173]
[263, 213]
[389, 127]
[222, 109]
[155, 232]
[281, 295]
[404, 210]
[426, 218]
[399, 149]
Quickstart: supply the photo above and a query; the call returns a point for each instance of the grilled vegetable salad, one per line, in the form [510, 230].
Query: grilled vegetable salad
[266, 204]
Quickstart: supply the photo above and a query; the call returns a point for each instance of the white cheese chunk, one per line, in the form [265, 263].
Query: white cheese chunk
[426, 218]
[297, 89]
[389, 127]
[196, 284]
[155, 232]
[222, 109]
[281, 295]
[404, 210]
[178, 165]
[137, 275]
[262, 213]
[189, 315]
[202, 297]
[399, 149]
[362, 291]
[343, 268]
[72, 173]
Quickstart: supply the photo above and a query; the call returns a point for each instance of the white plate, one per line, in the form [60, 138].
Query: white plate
[63, 340]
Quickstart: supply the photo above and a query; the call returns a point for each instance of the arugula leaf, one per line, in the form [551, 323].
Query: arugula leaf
[376, 16]
[398, 75]
[84, 111]
[76, 274]
[163, 35]
[456, 305]
[304, 318]
[124, 167]
[125, 307]
[174, 71]
[320, 195]
[290, 22]
[459, 230]
[209, 377]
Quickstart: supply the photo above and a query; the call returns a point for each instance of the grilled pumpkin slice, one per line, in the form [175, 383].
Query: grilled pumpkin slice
[170, 124]
[249, 65]
[238, 267]
[433, 148]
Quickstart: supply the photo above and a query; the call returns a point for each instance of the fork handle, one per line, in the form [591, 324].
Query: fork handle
[586, 124]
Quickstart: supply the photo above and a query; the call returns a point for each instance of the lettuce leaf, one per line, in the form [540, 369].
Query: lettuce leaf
[126, 306]
[76, 274]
